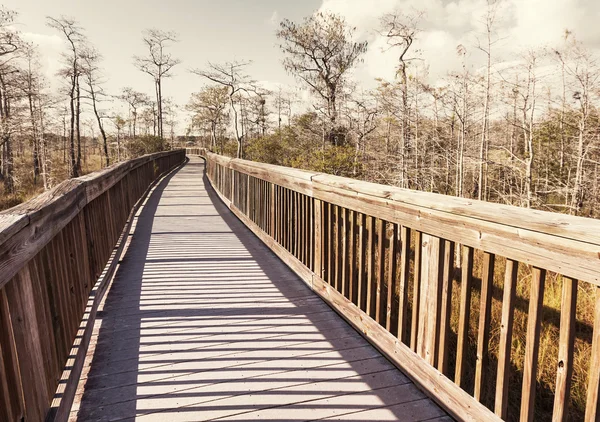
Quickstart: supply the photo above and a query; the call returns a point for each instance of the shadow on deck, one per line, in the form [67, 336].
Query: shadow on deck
[204, 322]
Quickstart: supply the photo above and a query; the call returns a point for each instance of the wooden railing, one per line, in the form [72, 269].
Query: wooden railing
[54, 252]
[404, 268]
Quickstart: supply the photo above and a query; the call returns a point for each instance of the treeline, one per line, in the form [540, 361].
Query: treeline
[65, 125]
[527, 134]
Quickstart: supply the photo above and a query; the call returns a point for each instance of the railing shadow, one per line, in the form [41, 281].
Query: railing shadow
[203, 321]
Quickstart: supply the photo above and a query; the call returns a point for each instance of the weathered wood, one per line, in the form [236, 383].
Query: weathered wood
[485, 312]
[592, 410]
[446, 306]
[506, 328]
[370, 265]
[429, 306]
[403, 288]
[391, 279]
[464, 313]
[534, 323]
[564, 370]
[416, 300]
[380, 276]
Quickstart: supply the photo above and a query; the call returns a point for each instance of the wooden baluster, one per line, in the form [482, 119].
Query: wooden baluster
[416, 291]
[344, 264]
[566, 342]
[465, 311]
[13, 408]
[380, 277]
[318, 244]
[352, 257]
[329, 244]
[485, 312]
[534, 322]
[337, 252]
[360, 299]
[429, 307]
[403, 288]
[391, 279]
[446, 306]
[592, 411]
[370, 264]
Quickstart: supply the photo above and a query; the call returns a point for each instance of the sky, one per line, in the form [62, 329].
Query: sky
[226, 30]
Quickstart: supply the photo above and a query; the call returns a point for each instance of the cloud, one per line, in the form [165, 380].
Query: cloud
[518, 25]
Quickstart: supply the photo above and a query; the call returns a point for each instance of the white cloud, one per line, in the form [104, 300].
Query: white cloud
[519, 24]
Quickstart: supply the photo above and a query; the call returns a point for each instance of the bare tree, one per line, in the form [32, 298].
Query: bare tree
[93, 79]
[320, 52]
[158, 64]
[230, 75]
[401, 31]
[73, 33]
[208, 107]
[134, 100]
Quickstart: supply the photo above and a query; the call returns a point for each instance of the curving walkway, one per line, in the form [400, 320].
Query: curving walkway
[203, 322]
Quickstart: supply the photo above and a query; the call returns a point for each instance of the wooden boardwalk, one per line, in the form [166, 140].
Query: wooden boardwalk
[203, 322]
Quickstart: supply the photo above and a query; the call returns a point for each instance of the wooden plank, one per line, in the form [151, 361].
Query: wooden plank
[592, 410]
[10, 376]
[391, 279]
[446, 306]
[352, 261]
[403, 288]
[360, 301]
[429, 309]
[564, 370]
[416, 291]
[370, 265]
[534, 323]
[464, 313]
[506, 328]
[22, 305]
[380, 277]
[344, 252]
[318, 230]
[336, 247]
[485, 312]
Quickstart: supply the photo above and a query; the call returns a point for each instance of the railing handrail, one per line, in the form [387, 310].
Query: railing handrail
[50, 211]
[566, 244]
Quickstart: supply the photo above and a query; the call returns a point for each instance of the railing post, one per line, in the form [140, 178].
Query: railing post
[272, 205]
[318, 252]
[429, 306]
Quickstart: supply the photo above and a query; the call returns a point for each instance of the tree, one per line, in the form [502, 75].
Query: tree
[73, 33]
[9, 46]
[320, 52]
[91, 72]
[209, 107]
[401, 31]
[158, 64]
[230, 75]
[134, 100]
[119, 123]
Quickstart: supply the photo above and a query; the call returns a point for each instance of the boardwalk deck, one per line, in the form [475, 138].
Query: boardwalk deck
[203, 322]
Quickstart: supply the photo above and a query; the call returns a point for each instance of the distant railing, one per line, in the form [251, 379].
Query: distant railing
[53, 249]
[387, 258]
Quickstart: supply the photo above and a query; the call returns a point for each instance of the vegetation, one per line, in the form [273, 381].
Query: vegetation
[47, 137]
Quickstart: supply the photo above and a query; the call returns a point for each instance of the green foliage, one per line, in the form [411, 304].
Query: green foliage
[147, 145]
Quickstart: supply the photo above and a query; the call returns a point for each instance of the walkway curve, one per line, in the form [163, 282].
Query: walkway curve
[203, 322]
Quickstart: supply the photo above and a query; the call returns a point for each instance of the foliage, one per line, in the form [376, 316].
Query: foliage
[147, 144]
